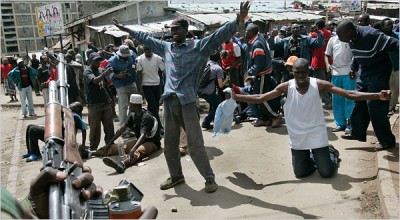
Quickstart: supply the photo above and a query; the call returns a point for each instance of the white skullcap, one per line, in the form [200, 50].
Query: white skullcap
[228, 90]
[136, 99]
[19, 61]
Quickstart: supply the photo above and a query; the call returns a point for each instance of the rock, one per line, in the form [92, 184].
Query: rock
[174, 209]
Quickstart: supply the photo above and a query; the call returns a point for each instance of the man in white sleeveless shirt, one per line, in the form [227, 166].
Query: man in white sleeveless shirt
[308, 138]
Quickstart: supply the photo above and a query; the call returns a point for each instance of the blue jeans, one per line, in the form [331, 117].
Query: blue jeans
[305, 163]
[213, 101]
[179, 116]
[26, 93]
[341, 106]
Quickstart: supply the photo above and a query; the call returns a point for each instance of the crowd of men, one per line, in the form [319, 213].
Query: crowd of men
[274, 75]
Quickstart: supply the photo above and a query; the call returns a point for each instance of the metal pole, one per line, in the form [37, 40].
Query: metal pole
[45, 41]
[61, 43]
[138, 13]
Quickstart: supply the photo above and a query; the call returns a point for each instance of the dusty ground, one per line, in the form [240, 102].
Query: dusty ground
[356, 180]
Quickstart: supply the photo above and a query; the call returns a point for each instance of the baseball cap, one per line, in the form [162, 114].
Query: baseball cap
[94, 56]
[180, 22]
[136, 99]
[290, 61]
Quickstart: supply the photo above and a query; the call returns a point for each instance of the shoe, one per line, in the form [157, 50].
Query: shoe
[276, 122]
[210, 186]
[118, 166]
[333, 150]
[206, 126]
[26, 155]
[237, 119]
[339, 128]
[83, 152]
[23, 116]
[33, 157]
[260, 123]
[352, 137]
[169, 183]
[384, 146]
[32, 114]
[162, 132]
[328, 106]
[183, 151]
[347, 130]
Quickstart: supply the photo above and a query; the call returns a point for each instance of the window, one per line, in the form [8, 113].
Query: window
[12, 49]
[6, 11]
[7, 17]
[8, 23]
[67, 17]
[24, 18]
[27, 42]
[25, 30]
[149, 9]
[22, 6]
[11, 42]
[67, 5]
[9, 36]
[6, 5]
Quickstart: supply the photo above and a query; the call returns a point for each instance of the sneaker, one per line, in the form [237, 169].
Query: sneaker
[206, 126]
[210, 186]
[276, 122]
[169, 183]
[118, 166]
[32, 114]
[26, 155]
[339, 128]
[23, 116]
[333, 150]
[33, 157]
[183, 151]
[347, 130]
[259, 123]
[83, 152]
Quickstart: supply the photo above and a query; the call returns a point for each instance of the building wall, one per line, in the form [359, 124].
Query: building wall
[146, 9]
[19, 26]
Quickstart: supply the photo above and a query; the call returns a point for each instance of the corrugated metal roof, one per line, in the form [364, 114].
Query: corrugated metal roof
[156, 28]
[211, 19]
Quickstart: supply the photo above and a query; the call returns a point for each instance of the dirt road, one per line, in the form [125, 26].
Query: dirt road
[252, 167]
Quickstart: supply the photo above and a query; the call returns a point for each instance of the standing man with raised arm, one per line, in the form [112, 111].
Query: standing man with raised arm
[185, 61]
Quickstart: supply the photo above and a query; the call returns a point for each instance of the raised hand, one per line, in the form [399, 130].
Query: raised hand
[244, 10]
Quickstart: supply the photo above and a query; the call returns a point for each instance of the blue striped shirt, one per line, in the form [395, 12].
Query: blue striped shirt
[185, 63]
[370, 50]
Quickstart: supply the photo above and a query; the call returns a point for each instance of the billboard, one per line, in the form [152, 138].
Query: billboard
[49, 19]
[351, 5]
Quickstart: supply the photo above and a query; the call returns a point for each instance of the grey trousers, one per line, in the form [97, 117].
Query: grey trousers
[100, 114]
[187, 117]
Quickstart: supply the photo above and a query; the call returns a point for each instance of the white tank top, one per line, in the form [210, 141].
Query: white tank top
[304, 117]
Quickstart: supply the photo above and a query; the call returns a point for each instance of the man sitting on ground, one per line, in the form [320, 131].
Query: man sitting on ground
[147, 132]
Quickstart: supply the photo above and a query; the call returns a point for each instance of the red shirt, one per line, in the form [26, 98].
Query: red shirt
[25, 81]
[230, 59]
[318, 54]
[5, 69]
[53, 75]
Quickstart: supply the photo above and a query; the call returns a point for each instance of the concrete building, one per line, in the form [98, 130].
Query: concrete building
[19, 32]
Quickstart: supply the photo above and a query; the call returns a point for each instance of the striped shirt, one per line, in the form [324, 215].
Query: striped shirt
[370, 51]
[185, 63]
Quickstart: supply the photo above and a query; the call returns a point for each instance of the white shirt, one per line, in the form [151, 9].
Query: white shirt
[304, 117]
[149, 68]
[236, 50]
[341, 54]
